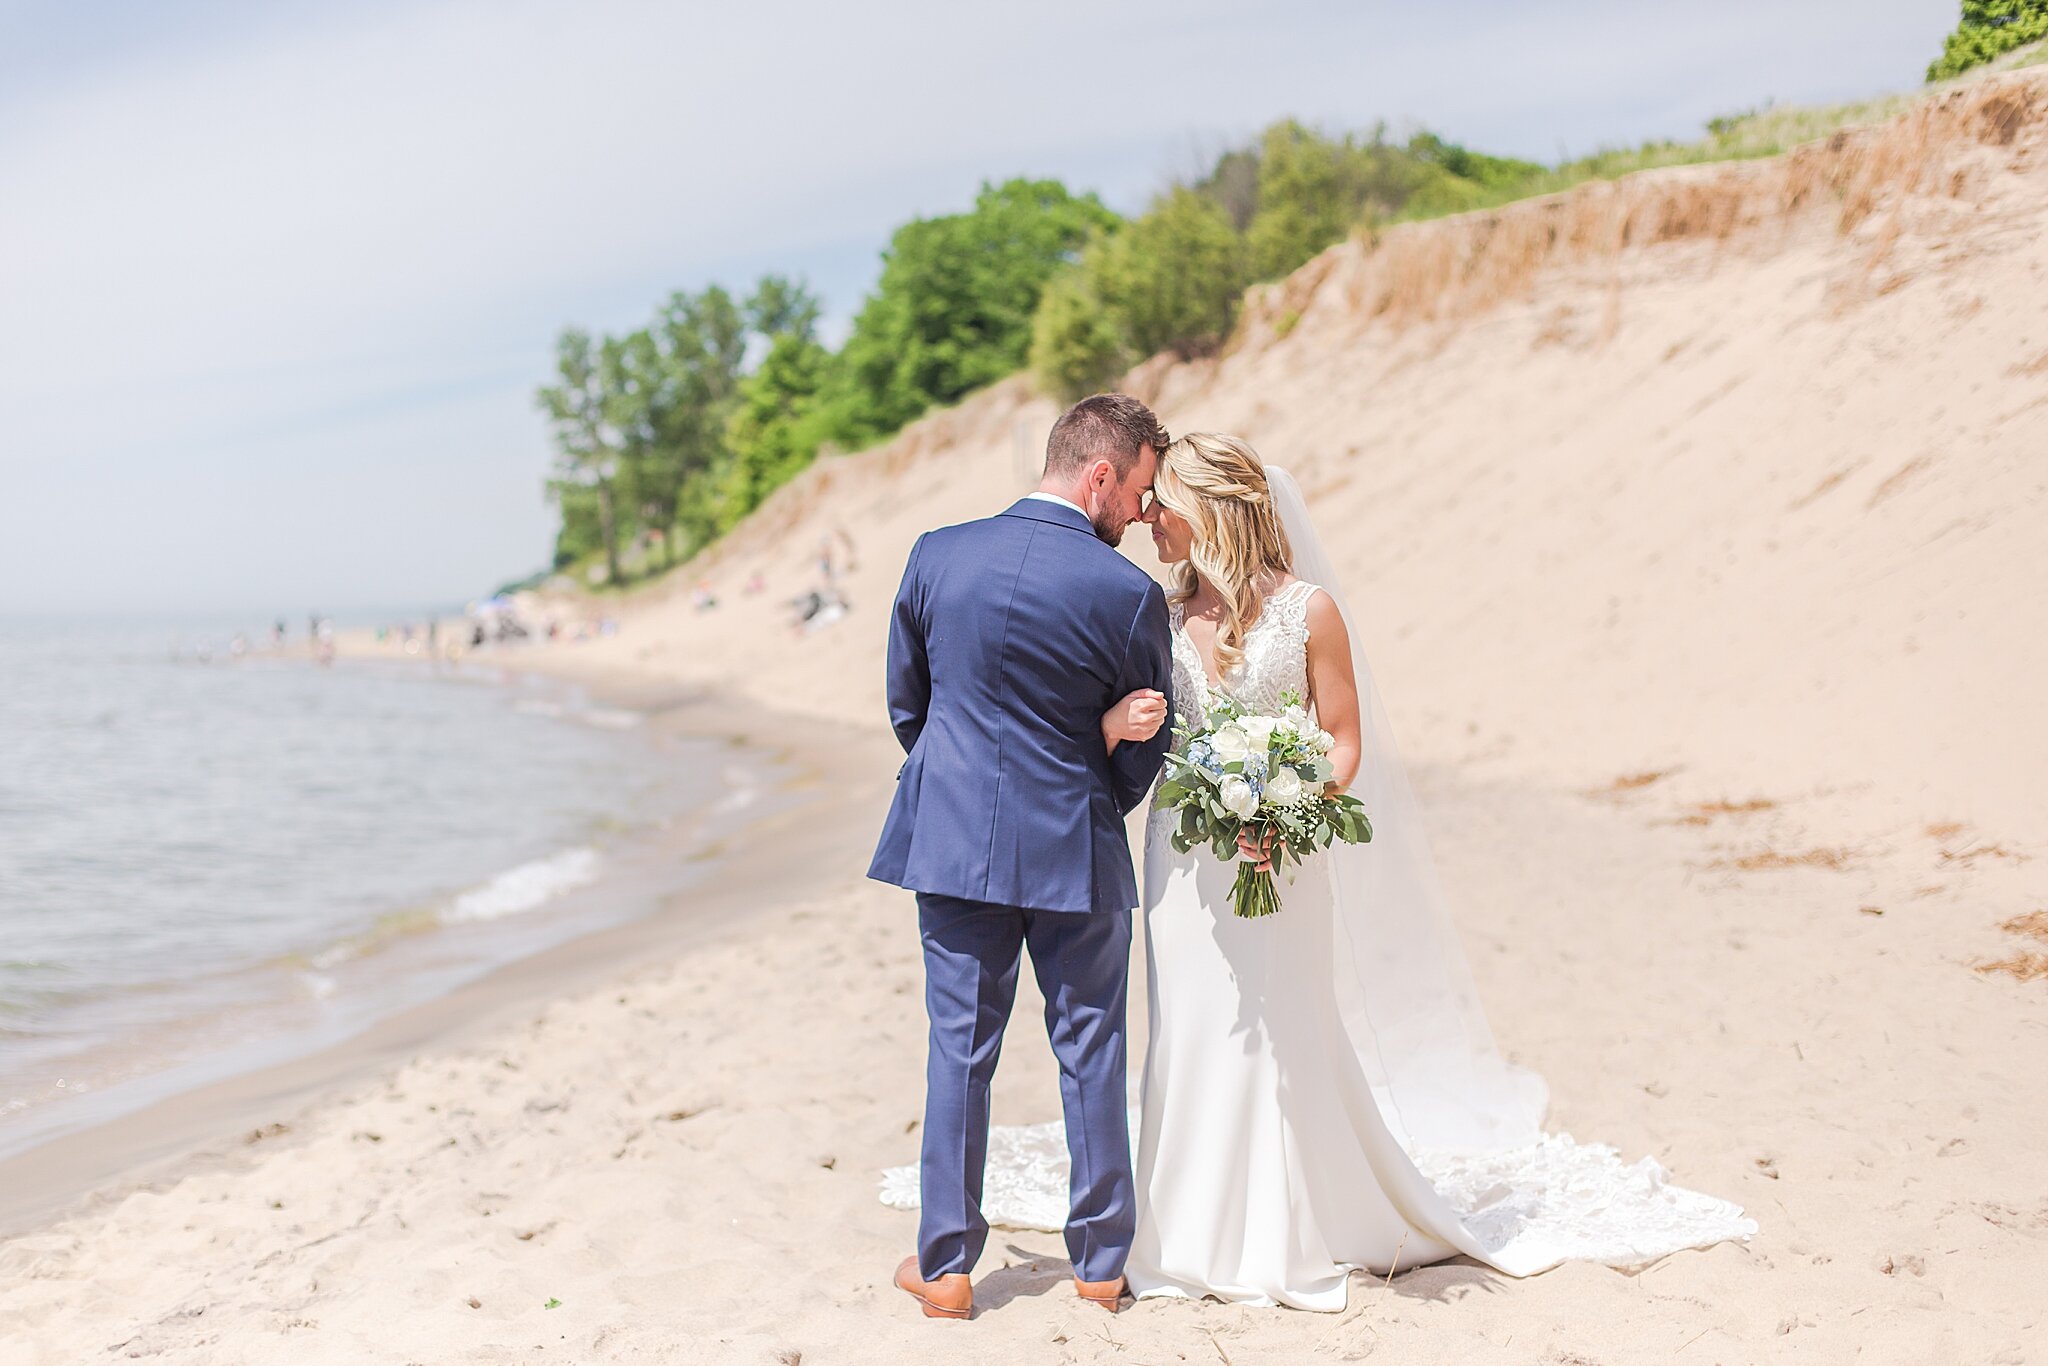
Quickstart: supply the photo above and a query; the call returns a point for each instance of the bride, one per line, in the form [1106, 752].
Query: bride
[1320, 1092]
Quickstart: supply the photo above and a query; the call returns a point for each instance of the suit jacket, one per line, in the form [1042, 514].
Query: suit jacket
[1011, 636]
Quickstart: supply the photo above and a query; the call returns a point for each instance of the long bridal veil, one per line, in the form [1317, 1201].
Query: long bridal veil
[1469, 1120]
[1403, 985]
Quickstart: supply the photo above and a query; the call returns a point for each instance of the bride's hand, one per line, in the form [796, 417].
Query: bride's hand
[1138, 717]
[1262, 852]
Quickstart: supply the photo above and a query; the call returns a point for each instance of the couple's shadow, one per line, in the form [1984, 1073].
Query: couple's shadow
[1032, 1274]
[1029, 1274]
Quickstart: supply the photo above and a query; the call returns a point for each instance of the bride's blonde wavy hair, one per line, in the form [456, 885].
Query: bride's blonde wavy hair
[1218, 484]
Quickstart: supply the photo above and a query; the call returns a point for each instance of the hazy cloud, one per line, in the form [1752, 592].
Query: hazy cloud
[277, 280]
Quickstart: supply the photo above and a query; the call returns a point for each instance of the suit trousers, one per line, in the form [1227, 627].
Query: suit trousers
[1082, 962]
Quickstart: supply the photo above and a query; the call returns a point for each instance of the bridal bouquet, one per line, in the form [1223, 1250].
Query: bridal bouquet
[1262, 777]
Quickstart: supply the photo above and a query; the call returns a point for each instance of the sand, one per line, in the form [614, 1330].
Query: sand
[1700, 564]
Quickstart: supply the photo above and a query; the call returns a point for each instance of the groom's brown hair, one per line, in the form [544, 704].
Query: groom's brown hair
[1111, 427]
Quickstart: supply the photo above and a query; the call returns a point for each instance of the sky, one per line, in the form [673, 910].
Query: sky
[278, 278]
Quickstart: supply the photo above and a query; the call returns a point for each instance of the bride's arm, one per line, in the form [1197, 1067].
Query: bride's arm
[1333, 687]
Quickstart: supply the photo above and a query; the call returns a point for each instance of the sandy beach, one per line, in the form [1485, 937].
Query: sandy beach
[1695, 526]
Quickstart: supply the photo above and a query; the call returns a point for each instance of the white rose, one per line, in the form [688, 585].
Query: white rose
[1259, 730]
[1231, 744]
[1237, 797]
[1323, 741]
[1284, 787]
[1296, 719]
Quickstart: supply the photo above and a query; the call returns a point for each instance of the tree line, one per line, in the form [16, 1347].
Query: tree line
[667, 436]
[1987, 31]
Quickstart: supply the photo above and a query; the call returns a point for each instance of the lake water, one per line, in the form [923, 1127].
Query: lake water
[210, 866]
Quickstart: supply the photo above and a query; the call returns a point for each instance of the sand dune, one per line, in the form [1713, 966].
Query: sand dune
[1727, 467]
[1696, 524]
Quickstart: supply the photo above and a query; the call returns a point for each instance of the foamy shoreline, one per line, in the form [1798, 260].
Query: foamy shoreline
[625, 904]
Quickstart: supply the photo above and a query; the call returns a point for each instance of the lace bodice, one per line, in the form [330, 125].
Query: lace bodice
[1275, 660]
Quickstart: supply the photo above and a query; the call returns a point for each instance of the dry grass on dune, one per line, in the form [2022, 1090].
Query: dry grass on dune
[2021, 966]
[1456, 267]
[1770, 860]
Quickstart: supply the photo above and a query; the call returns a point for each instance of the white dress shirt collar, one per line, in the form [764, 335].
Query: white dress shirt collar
[1045, 497]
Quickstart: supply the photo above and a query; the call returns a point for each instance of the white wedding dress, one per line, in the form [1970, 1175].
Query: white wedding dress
[1320, 1092]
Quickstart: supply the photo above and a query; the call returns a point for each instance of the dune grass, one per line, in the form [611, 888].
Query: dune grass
[1752, 135]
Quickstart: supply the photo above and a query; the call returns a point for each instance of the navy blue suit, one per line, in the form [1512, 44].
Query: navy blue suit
[1010, 638]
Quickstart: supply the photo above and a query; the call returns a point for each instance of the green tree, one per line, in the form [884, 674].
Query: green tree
[1303, 206]
[1989, 29]
[1176, 276]
[1234, 184]
[587, 447]
[1449, 178]
[702, 339]
[633, 384]
[1076, 346]
[775, 429]
[1168, 281]
[954, 306]
[581, 533]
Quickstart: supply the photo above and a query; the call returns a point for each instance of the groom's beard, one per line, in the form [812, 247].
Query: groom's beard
[1107, 530]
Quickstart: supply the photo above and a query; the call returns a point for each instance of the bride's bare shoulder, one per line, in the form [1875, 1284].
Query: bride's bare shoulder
[1325, 622]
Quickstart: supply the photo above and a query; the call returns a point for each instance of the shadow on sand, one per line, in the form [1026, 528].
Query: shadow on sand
[1028, 1274]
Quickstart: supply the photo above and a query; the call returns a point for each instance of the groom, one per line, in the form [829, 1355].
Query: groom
[1010, 639]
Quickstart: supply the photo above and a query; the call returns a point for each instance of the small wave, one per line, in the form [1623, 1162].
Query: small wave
[388, 930]
[598, 718]
[525, 887]
[516, 890]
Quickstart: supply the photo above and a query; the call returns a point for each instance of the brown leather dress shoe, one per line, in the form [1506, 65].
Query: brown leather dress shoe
[948, 1297]
[1109, 1294]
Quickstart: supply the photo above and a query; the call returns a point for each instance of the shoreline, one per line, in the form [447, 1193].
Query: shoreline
[663, 1120]
[208, 1125]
